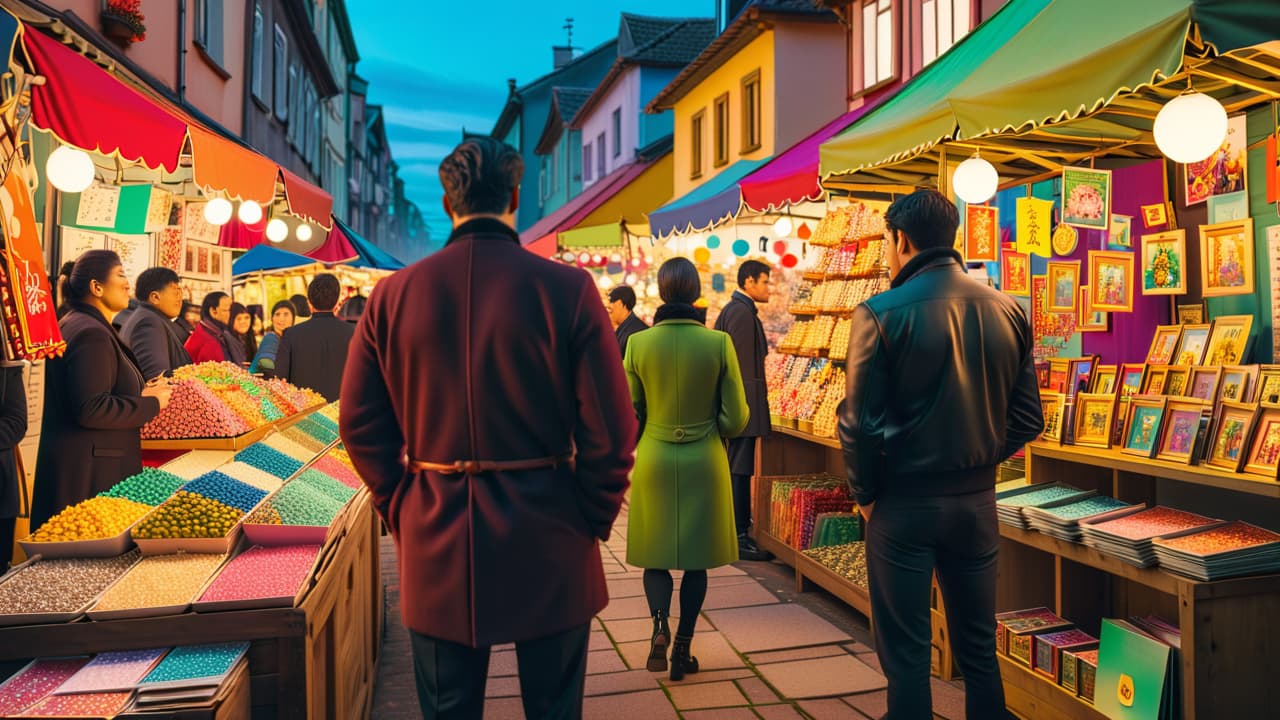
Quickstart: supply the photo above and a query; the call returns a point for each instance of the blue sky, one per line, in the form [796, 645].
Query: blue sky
[438, 66]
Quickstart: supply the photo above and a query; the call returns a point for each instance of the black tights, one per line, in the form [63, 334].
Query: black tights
[658, 586]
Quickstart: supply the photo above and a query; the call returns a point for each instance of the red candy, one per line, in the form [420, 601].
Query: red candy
[262, 572]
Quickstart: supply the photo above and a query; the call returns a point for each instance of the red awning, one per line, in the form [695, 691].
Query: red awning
[544, 246]
[238, 236]
[85, 106]
[572, 212]
[225, 166]
[336, 248]
[306, 200]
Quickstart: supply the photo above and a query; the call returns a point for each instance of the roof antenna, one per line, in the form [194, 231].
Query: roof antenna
[568, 28]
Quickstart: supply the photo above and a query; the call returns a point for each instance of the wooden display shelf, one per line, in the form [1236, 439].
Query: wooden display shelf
[1034, 696]
[1085, 555]
[825, 442]
[824, 577]
[768, 542]
[238, 442]
[1195, 474]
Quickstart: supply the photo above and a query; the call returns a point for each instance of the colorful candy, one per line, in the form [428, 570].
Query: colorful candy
[188, 515]
[36, 682]
[251, 475]
[270, 460]
[293, 449]
[159, 581]
[336, 470]
[298, 503]
[94, 519]
[226, 490]
[196, 662]
[149, 487]
[195, 411]
[297, 435]
[62, 585]
[262, 572]
[327, 485]
[112, 671]
[198, 462]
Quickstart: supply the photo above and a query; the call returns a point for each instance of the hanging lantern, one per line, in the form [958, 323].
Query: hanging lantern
[741, 247]
[780, 247]
[584, 258]
[975, 180]
[303, 232]
[70, 169]
[713, 242]
[615, 258]
[277, 231]
[632, 278]
[782, 228]
[605, 282]
[1190, 127]
[217, 211]
[568, 256]
[250, 212]
[804, 233]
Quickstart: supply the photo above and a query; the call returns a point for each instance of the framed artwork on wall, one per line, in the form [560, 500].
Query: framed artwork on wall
[1164, 263]
[1111, 280]
[1142, 425]
[1226, 258]
[1086, 198]
[1063, 280]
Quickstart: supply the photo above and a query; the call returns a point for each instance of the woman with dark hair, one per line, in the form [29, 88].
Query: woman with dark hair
[95, 398]
[187, 319]
[242, 339]
[282, 316]
[687, 390]
[211, 341]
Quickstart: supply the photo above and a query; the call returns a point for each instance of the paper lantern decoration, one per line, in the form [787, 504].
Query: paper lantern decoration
[70, 169]
[217, 211]
[568, 256]
[701, 255]
[782, 228]
[1190, 127]
[717, 282]
[804, 233]
[790, 261]
[250, 212]
[277, 231]
[303, 232]
[780, 247]
[605, 282]
[584, 258]
[713, 241]
[741, 247]
[975, 181]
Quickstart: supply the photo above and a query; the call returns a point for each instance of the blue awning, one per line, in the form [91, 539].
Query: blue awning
[368, 254]
[265, 258]
[707, 205]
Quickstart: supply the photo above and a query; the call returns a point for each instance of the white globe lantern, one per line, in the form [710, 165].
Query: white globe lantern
[277, 231]
[303, 232]
[1190, 127]
[250, 212]
[605, 282]
[217, 211]
[975, 180]
[782, 228]
[70, 169]
[632, 278]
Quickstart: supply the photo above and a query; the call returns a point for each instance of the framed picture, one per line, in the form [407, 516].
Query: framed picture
[1264, 449]
[1191, 345]
[1120, 236]
[1042, 374]
[1193, 314]
[1091, 320]
[1229, 436]
[1153, 383]
[1154, 216]
[1142, 425]
[1086, 198]
[1229, 340]
[1052, 405]
[1130, 378]
[1164, 257]
[1176, 381]
[1181, 424]
[1226, 258]
[1104, 379]
[1063, 279]
[1094, 412]
[1268, 384]
[1080, 374]
[1058, 368]
[1238, 383]
[1163, 344]
[1225, 208]
[1203, 383]
[1015, 273]
[1224, 171]
[981, 233]
[1111, 280]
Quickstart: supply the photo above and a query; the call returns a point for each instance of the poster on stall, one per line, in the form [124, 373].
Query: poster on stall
[981, 233]
[136, 253]
[1086, 198]
[158, 207]
[169, 248]
[98, 206]
[1035, 226]
[1223, 172]
[75, 242]
[195, 227]
[31, 321]
[1273, 254]
[1051, 332]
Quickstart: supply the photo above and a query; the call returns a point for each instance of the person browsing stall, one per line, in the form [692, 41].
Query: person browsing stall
[313, 355]
[242, 338]
[211, 341]
[622, 305]
[96, 399]
[151, 333]
[282, 316]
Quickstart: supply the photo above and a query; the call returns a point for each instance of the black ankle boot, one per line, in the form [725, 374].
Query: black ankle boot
[681, 661]
[659, 642]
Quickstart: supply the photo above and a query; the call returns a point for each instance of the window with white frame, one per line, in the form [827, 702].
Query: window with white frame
[878, 42]
[943, 23]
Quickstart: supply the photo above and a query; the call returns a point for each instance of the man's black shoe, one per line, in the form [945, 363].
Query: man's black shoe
[748, 550]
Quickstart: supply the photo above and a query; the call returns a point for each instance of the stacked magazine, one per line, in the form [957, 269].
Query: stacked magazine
[1062, 519]
[1228, 550]
[1011, 503]
[1129, 537]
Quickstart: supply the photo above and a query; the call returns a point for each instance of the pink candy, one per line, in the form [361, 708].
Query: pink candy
[262, 572]
[112, 671]
[36, 682]
[194, 411]
[336, 470]
[93, 705]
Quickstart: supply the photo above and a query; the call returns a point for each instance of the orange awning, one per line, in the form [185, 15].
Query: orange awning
[226, 166]
[306, 200]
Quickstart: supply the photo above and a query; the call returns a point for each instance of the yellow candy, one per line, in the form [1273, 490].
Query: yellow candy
[94, 519]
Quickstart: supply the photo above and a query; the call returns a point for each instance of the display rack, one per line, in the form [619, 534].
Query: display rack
[239, 442]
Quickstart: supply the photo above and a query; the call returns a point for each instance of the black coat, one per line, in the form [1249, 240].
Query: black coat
[741, 319]
[626, 329]
[13, 427]
[93, 411]
[155, 342]
[314, 354]
[941, 384]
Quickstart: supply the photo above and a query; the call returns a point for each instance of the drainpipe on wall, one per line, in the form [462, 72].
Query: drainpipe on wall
[182, 52]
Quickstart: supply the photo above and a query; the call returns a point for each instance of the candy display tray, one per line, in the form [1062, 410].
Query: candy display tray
[281, 535]
[216, 546]
[239, 442]
[38, 618]
[197, 605]
[103, 547]
[149, 612]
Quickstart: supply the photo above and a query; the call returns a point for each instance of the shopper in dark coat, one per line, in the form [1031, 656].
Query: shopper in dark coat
[740, 318]
[13, 428]
[941, 389]
[522, 368]
[313, 355]
[155, 341]
[95, 398]
[622, 306]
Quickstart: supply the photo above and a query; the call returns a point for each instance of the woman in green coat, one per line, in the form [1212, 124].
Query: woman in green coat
[687, 390]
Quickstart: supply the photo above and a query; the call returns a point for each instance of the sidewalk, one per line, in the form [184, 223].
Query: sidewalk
[764, 653]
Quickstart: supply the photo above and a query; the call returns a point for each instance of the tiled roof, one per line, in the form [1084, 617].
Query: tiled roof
[569, 99]
[663, 41]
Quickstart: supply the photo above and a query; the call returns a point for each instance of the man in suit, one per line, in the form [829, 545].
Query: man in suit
[622, 305]
[313, 355]
[150, 331]
[496, 438]
[740, 318]
[941, 389]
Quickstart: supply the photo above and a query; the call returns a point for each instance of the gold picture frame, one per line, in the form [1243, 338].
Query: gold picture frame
[1062, 286]
[1182, 417]
[1226, 258]
[1111, 280]
[1164, 343]
[1229, 340]
[1094, 414]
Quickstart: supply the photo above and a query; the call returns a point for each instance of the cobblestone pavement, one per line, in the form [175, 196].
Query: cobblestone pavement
[766, 652]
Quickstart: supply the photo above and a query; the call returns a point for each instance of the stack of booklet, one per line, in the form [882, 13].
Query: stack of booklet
[1062, 519]
[189, 676]
[1228, 550]
[1010, 503]
[1129, 537]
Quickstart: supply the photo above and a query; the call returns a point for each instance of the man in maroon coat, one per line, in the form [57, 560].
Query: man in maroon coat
[484, 406]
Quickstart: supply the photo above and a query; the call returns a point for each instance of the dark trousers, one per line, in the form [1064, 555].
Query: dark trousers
[907, 539]
[742, 465]
[451, 677]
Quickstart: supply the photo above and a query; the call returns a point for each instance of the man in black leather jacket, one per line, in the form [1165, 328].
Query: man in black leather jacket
[941, 389]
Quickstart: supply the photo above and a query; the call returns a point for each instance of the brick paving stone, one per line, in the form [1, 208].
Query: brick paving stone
[727, 580]
[706, 676]
[599, 641]
[503, 664]
[621, 682]
[871, 659]
[948, 700]
[498, 709]
[714, 651]
[626, 609]
[856, 648]
[737, 713]
[706, 695]
[828, 710]
[635, 654]
[725, 570]
[774, 627]
[757, 691]
[822, 677]
[501, 687]
[777, 712]
[872, 704]
[732, 596]
[604, 661]
[623, 631]
[624, 586]
[763, 658]
[647, 705]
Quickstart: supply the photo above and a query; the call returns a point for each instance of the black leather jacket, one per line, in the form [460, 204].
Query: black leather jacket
[941, 384]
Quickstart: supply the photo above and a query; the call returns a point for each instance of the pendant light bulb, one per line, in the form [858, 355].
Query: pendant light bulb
[1190, 127]
[782, 228]
[277, 231]
[70, 169]
[975, 181]
[217, 211]
[250, 212]
[303, 232]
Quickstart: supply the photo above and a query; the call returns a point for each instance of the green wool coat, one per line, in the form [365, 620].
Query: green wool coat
[687, 390]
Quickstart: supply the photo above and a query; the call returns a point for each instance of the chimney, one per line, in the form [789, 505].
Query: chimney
[561, 55]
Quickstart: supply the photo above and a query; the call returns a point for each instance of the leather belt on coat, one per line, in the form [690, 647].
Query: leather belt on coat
[679, 434]
[475, 467]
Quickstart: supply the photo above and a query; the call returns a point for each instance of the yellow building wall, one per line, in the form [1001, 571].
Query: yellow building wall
[648, 192]
[758, 55]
